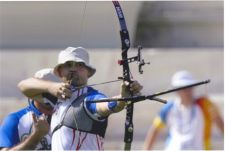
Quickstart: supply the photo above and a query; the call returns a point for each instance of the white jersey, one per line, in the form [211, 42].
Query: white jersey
[66, 138]
[75, 140]
[189, 127]
[186, 128]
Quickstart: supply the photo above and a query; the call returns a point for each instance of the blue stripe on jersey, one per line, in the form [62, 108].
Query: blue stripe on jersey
[32, 107]
[165, 110]
[93, 95]
[112, 105]
[9, 135]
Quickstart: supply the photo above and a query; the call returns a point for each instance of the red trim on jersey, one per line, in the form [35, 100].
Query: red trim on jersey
[74, 132]
[82, 141]
[97, 142]
[78, 144]
[102, 148]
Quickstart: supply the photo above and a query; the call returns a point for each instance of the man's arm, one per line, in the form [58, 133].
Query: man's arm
[158, 123]
[151, 137]
[216, 117]
[220, 123]
[32, 87]
[29, 143]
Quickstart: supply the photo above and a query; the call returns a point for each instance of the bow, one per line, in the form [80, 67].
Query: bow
[125, 40]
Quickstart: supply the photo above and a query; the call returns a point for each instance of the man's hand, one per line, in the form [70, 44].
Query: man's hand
[33, 87]
[133, 88]
[126, 91]
[60, 90]
[40, 126]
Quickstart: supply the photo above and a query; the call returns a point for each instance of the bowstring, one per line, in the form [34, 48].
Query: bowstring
[81, 38]
[91, 85]
[80, 35]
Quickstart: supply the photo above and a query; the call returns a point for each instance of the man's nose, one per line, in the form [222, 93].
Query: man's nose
[73, 68]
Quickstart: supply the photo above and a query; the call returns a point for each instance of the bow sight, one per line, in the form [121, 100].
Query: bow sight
[141, 62]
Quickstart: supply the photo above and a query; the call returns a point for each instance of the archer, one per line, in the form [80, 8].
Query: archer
[77, 123]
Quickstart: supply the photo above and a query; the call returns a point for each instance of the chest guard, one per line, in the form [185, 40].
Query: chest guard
[76, 117]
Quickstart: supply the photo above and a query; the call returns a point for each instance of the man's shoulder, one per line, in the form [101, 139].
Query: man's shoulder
[203, 101]
[14, 117]
[163, 114]
[92, 91]
[93, 94]
[168, 106]
[9, 126]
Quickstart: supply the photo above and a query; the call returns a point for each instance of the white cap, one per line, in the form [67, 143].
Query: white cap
[47, 74]
[182, 78]
[78, 54]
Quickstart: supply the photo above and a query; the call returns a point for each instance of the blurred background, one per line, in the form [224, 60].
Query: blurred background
[175, 35]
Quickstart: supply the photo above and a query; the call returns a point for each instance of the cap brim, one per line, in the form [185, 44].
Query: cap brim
[91, 69]
[183, 83]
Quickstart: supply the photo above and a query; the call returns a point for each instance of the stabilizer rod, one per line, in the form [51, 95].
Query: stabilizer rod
[152, 96]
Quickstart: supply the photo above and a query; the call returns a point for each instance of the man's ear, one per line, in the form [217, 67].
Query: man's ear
[38, 98]
[89, 73]
[59, 71]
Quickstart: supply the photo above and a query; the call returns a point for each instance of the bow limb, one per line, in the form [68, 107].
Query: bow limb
[125, 40]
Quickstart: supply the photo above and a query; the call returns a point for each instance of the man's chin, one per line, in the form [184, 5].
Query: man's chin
[76, 84]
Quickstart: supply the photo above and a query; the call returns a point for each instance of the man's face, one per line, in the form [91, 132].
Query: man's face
[186, 93]
[74, 72]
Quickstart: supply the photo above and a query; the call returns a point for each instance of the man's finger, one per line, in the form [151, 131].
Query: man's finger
[136, 88]
[43, 117]
[66, 85]
[67, 92]
[34, 117]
